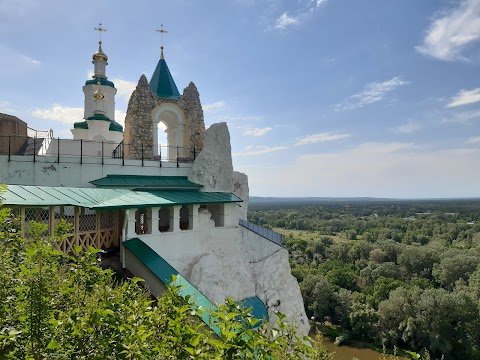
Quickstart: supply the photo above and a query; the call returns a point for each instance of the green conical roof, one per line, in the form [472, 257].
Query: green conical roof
[162, 82]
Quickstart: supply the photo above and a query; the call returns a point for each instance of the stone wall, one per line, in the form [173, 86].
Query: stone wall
[139, 127]
[138, 135]
[190, 104]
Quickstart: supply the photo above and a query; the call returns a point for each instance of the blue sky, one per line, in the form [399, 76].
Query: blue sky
[322, 97]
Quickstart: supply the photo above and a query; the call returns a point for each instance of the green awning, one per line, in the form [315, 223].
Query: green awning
[136, 181]
[100, 198]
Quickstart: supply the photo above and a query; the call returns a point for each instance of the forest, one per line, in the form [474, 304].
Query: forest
[402, 274]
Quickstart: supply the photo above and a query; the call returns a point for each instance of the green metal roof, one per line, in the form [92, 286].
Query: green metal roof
[135, 181]
[114, 126]
[103, 81]
[101, 198]
[80, 125]
[162, 82]
[145, 199]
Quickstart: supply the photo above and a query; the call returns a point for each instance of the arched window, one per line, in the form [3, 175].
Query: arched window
[143, 221]
[172, 118]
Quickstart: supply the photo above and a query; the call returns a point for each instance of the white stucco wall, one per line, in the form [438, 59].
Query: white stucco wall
[256, 247]
[21, 170]
[108, 101]
[218, 261]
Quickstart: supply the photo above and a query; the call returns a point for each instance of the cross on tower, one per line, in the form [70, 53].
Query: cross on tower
[161, 31]
[100, 29]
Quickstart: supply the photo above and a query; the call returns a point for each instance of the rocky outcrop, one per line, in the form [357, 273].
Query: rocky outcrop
[240, 188]
[138, 135]
[190, 103]
[213, 166]
[279, 290]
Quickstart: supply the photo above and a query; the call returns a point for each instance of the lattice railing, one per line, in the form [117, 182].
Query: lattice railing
[89, 227]
[102, 239]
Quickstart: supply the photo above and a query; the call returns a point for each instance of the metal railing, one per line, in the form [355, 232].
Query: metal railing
[264, 232]
[30, 147]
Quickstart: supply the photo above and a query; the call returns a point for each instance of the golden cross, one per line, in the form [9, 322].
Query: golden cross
[162, 31]
[100, 29]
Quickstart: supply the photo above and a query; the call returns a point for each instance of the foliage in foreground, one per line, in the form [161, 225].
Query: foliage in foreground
[54, 306]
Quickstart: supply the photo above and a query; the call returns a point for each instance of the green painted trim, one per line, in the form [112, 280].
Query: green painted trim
[114, 126]
[99, 117]
[80, 125]
[103, 81]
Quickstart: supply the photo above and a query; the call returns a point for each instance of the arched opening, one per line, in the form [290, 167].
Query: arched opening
[162, 141]
[170, 119]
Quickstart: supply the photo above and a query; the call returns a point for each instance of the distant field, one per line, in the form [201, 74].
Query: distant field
[309, 235]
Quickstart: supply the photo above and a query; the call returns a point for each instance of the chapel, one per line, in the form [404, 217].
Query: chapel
[175, 212]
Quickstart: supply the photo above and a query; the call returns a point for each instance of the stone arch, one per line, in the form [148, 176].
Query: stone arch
[174, 120]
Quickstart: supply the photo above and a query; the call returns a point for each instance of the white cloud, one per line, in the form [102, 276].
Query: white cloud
[250, 131]
[213, 107]
[453, 32]
[372, 93]
[297, 15]
[69, 115]
[259, 150]
[124, 88]
[12, 8]
[465, 97]
[407, 128]
[12, 62]
[463, 117]
[473, 140]
[6, 108]
[66, 115]
[120, 116]
[284, 21]
[373, 169]
[322, 137]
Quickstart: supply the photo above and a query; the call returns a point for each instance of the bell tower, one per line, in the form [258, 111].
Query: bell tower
[99, 106]
[159, 101]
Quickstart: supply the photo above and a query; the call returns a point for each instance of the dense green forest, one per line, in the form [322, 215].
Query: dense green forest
[391, 273]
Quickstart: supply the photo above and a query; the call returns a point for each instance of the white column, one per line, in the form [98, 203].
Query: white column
[131, 224]
[179, 140]
[155, 221]
[194, 217]
[176, 219]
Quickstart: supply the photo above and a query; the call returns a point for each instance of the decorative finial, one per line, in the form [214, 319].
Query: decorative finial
[100, 55]
[100, 29]
[161, 31]
[98, 93]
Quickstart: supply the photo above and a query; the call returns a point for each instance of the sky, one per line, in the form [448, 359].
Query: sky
[322, 97]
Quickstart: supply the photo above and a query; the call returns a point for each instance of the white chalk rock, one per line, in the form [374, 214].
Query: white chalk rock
[279, 290]
[240, 188]
[213, 167]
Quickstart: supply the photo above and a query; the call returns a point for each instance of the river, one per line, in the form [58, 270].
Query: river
[348, 353]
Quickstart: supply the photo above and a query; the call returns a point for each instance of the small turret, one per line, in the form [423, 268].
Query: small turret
[100, 62]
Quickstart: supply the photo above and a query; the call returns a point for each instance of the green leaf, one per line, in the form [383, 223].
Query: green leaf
[53, 345]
